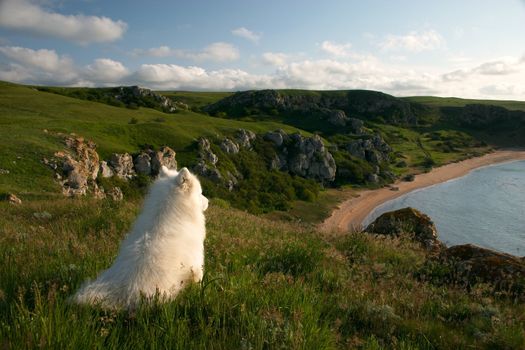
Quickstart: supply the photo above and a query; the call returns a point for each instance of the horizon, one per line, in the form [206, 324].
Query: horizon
[406, 49]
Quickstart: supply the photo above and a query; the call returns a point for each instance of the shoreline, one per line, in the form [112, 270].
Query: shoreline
[350, 214]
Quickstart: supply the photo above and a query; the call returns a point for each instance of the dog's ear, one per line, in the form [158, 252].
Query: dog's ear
[183, 179]
[164, 171]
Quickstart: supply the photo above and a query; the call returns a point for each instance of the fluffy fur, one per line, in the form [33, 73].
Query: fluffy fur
[164, 250]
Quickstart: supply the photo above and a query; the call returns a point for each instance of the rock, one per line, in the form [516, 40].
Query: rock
[408, 220]
[79, 166]
[374, 150]
[98, 192]
[336, 117]
[142, 164]
[307, 157]
[205, 151]
[4, 172]
[244, 138]
[122, 165]
[209, 171]
[104, 170]
[372, 178]
[276, 137]
[164, 157]
[140, 96]
[229, 146]
[13, 199]
[356, 126]
[42, 215]
[474, 264]
[116, 194]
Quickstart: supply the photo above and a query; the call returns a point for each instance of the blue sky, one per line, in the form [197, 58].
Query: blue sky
[448, 48]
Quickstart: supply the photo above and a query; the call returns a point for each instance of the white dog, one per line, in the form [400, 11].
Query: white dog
[164, 250]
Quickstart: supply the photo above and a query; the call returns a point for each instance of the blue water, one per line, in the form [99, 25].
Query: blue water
[485, 207]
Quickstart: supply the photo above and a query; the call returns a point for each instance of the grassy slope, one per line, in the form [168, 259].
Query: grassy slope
[461, 102]
[267, 285]
[195, 99]
[25, 113]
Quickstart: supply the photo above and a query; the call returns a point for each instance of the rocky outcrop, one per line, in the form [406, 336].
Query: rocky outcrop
[472, 264]
[140, 96]
[122, 165]
[374, 149]
[229, 146]
[411, 221]
[149, 162]
[303, 156]
[77, 168]
[244, 138]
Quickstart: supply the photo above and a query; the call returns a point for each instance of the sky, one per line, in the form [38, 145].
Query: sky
[470, 49]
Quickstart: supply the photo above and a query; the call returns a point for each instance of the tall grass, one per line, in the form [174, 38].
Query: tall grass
[267, 285]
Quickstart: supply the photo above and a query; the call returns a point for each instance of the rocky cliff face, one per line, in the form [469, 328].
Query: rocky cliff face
[335, 108]
[303, 156]
[482, 116]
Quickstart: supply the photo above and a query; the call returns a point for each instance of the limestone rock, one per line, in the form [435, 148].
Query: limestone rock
[4, 172]
[374, 150]
[277, 137]
[336, 117]
[476, 264]
[229, 146]
[307, 157]
[105, 171]
[244, 138]
[13, 199]
[122, 165]
[408, 220]
[164, 157]
[205, 151]
[356, 126]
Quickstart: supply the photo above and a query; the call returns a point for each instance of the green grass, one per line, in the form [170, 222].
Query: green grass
[267, 285]
[461, 102]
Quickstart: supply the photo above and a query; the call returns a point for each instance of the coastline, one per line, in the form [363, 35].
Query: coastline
[350, 214]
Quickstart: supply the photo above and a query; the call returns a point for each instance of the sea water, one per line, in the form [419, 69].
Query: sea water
[485, 207]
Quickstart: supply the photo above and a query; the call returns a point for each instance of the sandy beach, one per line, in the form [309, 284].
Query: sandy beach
[350, 214]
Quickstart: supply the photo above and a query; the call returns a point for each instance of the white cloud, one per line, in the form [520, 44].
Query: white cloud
[414, 41]
[47, 60]
[27, 17]
[275, 58]
[106, 70]
[242, 32]
[335, 49]
[217, 52]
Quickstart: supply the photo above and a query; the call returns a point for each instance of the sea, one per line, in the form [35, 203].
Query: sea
[485, 207]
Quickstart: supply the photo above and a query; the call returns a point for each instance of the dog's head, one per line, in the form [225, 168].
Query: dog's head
[187, 184]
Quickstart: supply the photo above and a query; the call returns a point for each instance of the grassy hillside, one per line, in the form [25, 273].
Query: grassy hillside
[26, 113]
[268, 285]
[461, 102]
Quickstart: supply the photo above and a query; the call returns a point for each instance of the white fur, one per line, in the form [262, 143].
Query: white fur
[164, 250]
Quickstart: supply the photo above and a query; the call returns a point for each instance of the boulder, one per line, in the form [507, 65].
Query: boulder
[164, 157]
[205, 152]
[105, 171]
[474, 264]
[374, 150]
[244, 138]
[229, 146]
[122, 165]
[411, 221]
[13, 199]
[142, 164]
[275, 137]
[356, 126]
[336, 117]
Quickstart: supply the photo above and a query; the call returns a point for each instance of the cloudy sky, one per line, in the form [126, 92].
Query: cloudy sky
[464, 48]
